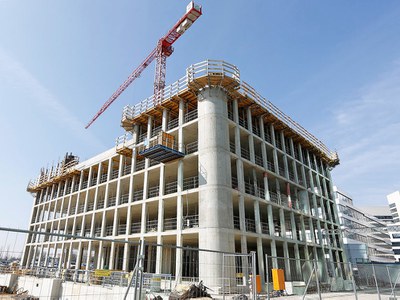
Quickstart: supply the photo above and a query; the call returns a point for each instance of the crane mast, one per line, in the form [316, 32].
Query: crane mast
[163, 50]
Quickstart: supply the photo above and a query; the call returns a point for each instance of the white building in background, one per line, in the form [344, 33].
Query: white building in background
[366, 237]
[394, 229]
[215, 166]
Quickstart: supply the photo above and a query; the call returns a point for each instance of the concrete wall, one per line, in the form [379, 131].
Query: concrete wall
[41, 287]
[54, 288]
[8, 280]
[71, 290]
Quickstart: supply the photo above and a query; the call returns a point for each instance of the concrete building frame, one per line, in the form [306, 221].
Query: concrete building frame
[251, 179]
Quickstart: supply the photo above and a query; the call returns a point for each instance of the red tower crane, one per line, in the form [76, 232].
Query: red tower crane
[160, 53]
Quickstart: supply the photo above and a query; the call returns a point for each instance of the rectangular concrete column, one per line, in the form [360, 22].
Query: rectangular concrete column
[48, 212]
[266, 186]
[109, 172]
[271, 224]
[179, 203]
[103, 224]
[240, 175]
[242, 215]
[273, 255]
[78, 258]
[112, 256]
[40, 254]
[35, 252]
[69, 205]
[89, 255]
[255, 183]
[237, 129]
[178, 259]
[318, 186]
[282, 222]
[293, 223]
[143, 219]
[129, 219]
[260, 260]
[159, 254]
[313, 197]
[179, 209]
[69, 255]
[257, 218]
[285, 162]
[274, 154]
[297, 257]
[312, 230]
[26, 255]
[125, 261]
[249, 119]
[181, 120]
[302, 229]
[160, 229]
[115, 221]
[287, 261]
[250, 137]
[164, 122]
[263, 146]
[120, 172]
[161, 201]
[100, 262]
[62, 257]
[296, 177]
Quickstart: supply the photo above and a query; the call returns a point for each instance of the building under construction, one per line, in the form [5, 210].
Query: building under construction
[215, 166]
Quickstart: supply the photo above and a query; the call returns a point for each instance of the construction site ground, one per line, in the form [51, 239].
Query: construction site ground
[325, 296]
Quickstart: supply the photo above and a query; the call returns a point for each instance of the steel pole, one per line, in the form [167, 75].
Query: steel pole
[317, 280]
[376, 282]
[354, 282]
[267, 275]
[253, 267]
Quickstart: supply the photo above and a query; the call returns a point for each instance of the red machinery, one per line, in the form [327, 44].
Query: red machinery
[160, 53]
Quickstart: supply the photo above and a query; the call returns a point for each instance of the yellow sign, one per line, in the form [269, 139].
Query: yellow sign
[102, 273]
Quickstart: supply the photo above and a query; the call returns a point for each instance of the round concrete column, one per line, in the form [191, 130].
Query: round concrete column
[215, 196]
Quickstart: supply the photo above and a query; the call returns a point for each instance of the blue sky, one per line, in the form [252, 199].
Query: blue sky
[333, 66]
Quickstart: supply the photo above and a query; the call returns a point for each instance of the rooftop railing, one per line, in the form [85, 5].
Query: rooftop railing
[223, 69]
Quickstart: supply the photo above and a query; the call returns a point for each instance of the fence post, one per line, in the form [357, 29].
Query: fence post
[376, 282]
[135, 272]
[308, 283]
[317, 279]
[394, 287]
[253, 270]
[354, 282]
[140, 269]
[390, 278]
[267, 275]
[223, 276]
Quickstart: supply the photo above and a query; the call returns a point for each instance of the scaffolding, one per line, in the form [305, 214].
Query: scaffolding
[226, 76]
[47, 176]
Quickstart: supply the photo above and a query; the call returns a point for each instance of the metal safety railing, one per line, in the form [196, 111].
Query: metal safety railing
[233, 274]
[223, 69]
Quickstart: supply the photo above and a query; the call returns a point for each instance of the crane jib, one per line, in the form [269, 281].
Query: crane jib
[193, 12]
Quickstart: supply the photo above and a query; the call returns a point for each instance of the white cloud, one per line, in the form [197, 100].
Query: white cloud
[366, 132]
